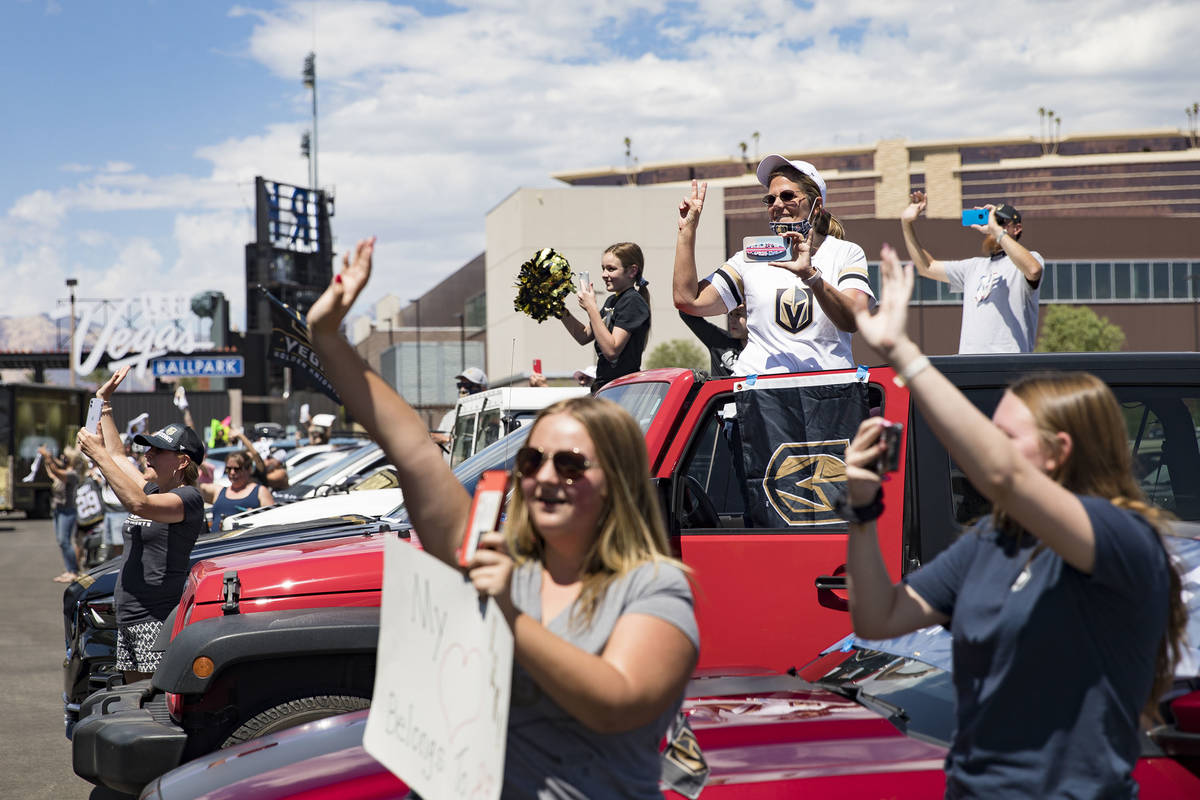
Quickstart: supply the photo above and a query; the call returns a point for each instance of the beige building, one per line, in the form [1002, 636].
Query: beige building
[1114, 214]
[580, 223]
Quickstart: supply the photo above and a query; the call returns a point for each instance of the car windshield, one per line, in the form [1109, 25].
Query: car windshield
[325, 475]
[496, 456]
[641, 400]
[906, 680]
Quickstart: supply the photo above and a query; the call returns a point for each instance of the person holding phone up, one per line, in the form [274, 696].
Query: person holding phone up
[166, 516]
[604, 633]
[1000, 287]
[621, 326]
[799, 313]
[1069, 569]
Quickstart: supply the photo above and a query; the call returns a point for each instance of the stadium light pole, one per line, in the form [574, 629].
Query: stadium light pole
[71, 284]
[417, 302]
[310, 80]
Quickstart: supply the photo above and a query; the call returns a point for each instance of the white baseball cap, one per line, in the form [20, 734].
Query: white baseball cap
[474, 375]
[773, 162]
[323, 420]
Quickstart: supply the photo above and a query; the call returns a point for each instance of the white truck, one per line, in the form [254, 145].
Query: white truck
[485, 417]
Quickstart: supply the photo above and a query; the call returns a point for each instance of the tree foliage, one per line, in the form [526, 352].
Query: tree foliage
[677, 353]
[1077, 329]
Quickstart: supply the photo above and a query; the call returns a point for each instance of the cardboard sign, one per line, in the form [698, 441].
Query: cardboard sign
[439, 716]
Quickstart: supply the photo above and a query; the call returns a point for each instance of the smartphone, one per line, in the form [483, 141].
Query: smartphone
[975, 216]
[585, 279]
[93, 417]
[537, 366]
[889, 459]
[766, 248]
[486, 508]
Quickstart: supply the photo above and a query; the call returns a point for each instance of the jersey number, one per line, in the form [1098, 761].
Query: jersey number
[794, 308]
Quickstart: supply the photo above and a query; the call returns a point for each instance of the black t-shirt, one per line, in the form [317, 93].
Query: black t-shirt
[626, 310]
[723, 349]
[157, 559]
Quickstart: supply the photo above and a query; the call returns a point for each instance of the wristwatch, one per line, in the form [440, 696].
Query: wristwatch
[813, 279]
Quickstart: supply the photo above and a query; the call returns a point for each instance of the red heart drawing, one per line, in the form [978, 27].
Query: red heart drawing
[462, 686]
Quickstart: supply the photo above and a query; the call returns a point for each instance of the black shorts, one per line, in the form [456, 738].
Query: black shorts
[135, 645]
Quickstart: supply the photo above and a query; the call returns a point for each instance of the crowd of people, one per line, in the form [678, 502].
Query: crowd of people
[1070, 561]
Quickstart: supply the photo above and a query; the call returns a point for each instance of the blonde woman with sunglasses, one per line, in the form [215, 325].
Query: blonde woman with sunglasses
[605, 637]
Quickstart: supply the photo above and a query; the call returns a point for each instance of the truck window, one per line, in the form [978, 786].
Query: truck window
[641, 400]
[464, 438]
[490, 428]
[1162, 424]
[772, 458]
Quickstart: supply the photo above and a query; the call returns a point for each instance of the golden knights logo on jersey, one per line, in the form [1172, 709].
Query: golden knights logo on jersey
[794, 308]
[804, 479]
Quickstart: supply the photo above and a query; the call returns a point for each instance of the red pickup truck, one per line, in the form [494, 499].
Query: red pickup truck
[748, 470]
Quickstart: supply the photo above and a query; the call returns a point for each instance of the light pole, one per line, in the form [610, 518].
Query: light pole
[71, 284]
[417, 302]
[310, 80]
[462, 342]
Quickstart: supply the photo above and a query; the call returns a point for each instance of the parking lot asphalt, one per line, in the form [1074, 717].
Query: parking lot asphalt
[35, 756]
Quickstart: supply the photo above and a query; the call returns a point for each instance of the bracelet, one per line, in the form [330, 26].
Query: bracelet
[858, 515]
[1000, 238]
[911, 370]
[106, 408]
[812, 280]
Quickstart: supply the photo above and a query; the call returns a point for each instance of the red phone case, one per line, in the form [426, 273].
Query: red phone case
[486, 508]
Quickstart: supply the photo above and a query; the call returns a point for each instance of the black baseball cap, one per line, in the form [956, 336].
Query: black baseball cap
[176, 438]
[1006, 212]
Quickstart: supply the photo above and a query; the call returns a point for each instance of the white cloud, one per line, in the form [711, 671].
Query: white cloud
[428, 122]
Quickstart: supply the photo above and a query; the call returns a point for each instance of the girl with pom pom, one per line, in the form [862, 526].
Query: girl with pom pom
[621, 326]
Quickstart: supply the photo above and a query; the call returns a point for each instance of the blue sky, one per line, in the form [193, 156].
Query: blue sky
[134, 128]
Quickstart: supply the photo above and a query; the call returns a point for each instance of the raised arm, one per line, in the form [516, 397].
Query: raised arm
[437, 502]
[611, 343]
[581, 332]
[52, 468]
[986, 454]
[839, 305]
[689, 293]
[130, 488]
[108, 428]
[926, 264]
[1030, 267]
[240, 435]
[879, 609]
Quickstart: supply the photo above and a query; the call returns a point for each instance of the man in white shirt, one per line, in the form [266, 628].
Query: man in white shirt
[1000, 288]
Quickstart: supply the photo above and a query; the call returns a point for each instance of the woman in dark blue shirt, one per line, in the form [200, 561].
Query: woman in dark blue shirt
[1070, 569]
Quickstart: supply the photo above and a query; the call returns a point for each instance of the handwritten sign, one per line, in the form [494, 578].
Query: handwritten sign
[439, 716]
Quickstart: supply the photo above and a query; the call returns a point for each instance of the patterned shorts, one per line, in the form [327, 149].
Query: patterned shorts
[135, 645]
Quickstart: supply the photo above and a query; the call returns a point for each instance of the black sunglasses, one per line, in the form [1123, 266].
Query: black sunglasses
[787, 196]
[569, 464]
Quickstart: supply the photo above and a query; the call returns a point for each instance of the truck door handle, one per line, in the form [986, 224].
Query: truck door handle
[831, 582]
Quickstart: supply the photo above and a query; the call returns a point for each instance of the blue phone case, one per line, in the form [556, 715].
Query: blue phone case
[975, 216]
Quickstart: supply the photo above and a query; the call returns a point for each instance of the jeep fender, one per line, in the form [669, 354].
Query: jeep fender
[240, 638]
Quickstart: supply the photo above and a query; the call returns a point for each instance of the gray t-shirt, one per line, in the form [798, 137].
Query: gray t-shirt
[550, 754]
[1000, 308]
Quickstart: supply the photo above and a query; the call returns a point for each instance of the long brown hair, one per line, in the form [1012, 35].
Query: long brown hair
[630, 255]
[630, 531]
[1100, 465]
[825, 223]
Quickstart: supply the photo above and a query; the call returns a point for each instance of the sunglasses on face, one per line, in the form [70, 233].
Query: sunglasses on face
[569, 464]
[234, 469]
[787, 196]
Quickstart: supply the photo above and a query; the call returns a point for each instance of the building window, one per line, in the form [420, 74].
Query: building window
[1104, 287]
[1085, 281]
